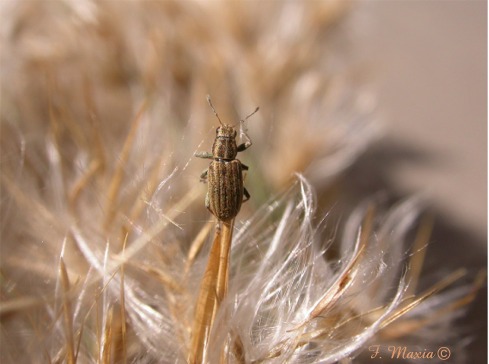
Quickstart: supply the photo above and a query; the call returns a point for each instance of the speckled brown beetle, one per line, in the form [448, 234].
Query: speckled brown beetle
[225, 173]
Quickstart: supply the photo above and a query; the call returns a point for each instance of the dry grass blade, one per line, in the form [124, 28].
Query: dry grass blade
[123, 309]
[212, 291]
[163, 277]
[144, 195]
[18, 304]
[206, 304]
[400, 328]
[83, 181]
[116, 181]
[225, 247]
[417, 260]
[430, 292]
[150, 233]
[196, 245]
[107, 338]
[67, 313]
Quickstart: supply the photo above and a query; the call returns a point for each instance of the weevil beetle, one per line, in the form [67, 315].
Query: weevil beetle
[224, 176]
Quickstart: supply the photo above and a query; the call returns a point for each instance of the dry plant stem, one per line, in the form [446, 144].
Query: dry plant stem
[419, 249]
[197, 245]
[123, 308]
[107, 338]
[118, 175]
[67, 313]
[400, 328]
[212, 291]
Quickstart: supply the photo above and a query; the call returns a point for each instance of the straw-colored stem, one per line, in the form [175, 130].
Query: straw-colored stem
[118, 175]
[212, 291]
[67, 314]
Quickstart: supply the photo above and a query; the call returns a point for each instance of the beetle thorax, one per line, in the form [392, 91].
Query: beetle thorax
[224, 146]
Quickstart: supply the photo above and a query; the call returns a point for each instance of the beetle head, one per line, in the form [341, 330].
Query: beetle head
[226, 131]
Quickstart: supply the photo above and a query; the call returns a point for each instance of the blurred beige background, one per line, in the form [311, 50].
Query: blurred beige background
[430, 58]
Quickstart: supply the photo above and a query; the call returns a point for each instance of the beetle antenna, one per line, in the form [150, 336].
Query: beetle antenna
[212, 107]
[246, 118]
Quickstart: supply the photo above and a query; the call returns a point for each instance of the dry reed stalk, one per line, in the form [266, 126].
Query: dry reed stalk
[213, 289]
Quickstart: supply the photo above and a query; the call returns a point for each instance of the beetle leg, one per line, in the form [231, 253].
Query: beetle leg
[246, 194]
[203, 176]
[207, 203]
[248, 142]
[244, 167]
[244, 146]
[205, 155]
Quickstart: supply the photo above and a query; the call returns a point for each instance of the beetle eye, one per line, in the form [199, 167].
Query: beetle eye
[217, 130]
